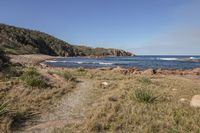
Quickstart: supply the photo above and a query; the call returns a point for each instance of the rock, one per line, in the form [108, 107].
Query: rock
[159, 71]
[105, 68]
[182, 100]
[195, 101]
[105, 83]
[149, 72]
[132, 70]
[119, 69]
[196, 71]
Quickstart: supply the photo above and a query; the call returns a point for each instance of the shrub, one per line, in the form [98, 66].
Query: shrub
[145, 96]
[32, 78]
[4, 60]
[68, 76]
[81, 69]
[144, 80]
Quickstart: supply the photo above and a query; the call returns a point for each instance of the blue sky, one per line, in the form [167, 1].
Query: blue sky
[140, 26]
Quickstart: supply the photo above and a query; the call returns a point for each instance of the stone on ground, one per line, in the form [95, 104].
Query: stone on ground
[195, 101]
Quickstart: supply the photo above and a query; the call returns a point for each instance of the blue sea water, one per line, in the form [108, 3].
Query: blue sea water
[141, 62]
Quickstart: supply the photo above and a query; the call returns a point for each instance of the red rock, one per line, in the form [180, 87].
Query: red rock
[149, 72]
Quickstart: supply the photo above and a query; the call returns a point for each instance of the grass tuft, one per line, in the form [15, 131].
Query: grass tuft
[144, 80]
[32, 78]
[3, 108]
[145, 96]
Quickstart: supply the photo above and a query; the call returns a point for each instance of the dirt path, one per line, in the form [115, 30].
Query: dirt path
[71, 109]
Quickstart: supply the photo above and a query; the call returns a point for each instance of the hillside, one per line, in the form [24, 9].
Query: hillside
[15, 40]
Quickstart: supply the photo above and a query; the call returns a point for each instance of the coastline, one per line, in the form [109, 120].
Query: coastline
[39, 59]
[83, 93]
[31, 59]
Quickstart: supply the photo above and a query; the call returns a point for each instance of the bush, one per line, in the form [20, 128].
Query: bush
[81, 69]
[4, 60]
[68, 76]
[32, 78]
[145, 96]
[144, 80]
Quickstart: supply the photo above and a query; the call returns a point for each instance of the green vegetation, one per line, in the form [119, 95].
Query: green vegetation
[4, 60]
[81, 69]
[14, 40]
[68, 76]
[32, 78]
[144, 80]
[145, 96]
[3, 108]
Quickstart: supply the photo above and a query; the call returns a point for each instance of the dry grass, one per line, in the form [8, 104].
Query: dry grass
[67, 75]
[21, 103]
[117, 111]
[129, 103]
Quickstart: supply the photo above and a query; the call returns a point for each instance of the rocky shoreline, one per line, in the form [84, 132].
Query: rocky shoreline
[36, 59]
[195, 71]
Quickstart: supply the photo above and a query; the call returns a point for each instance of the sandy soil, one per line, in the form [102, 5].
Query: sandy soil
[31, 59]
[71, 109]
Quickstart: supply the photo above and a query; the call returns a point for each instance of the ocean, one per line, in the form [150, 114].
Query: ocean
[141, 62]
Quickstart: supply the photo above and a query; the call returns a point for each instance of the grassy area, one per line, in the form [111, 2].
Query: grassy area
[141, 105]
[144, 80]
[129, 103]
[21, 103]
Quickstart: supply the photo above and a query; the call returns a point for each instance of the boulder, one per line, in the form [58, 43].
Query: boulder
[149, 72]
[195, 101]
[119, 69]
[196, 71]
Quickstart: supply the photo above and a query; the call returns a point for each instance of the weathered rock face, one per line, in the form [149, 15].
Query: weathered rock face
[195, 101]
[117, 52]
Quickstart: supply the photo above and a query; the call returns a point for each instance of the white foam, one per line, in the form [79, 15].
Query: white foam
[169, 59]
[79, 62]
[53, 61]
[105, 63]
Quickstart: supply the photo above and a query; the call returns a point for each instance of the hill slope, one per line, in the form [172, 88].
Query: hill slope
[15, 40]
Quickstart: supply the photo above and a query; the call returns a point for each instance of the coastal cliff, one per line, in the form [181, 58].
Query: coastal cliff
[15, 40]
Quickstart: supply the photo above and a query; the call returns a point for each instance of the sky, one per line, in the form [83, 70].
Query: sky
[144, 27]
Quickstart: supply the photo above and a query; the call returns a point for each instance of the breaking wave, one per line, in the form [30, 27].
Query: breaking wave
[168, 59]
[79, 62]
